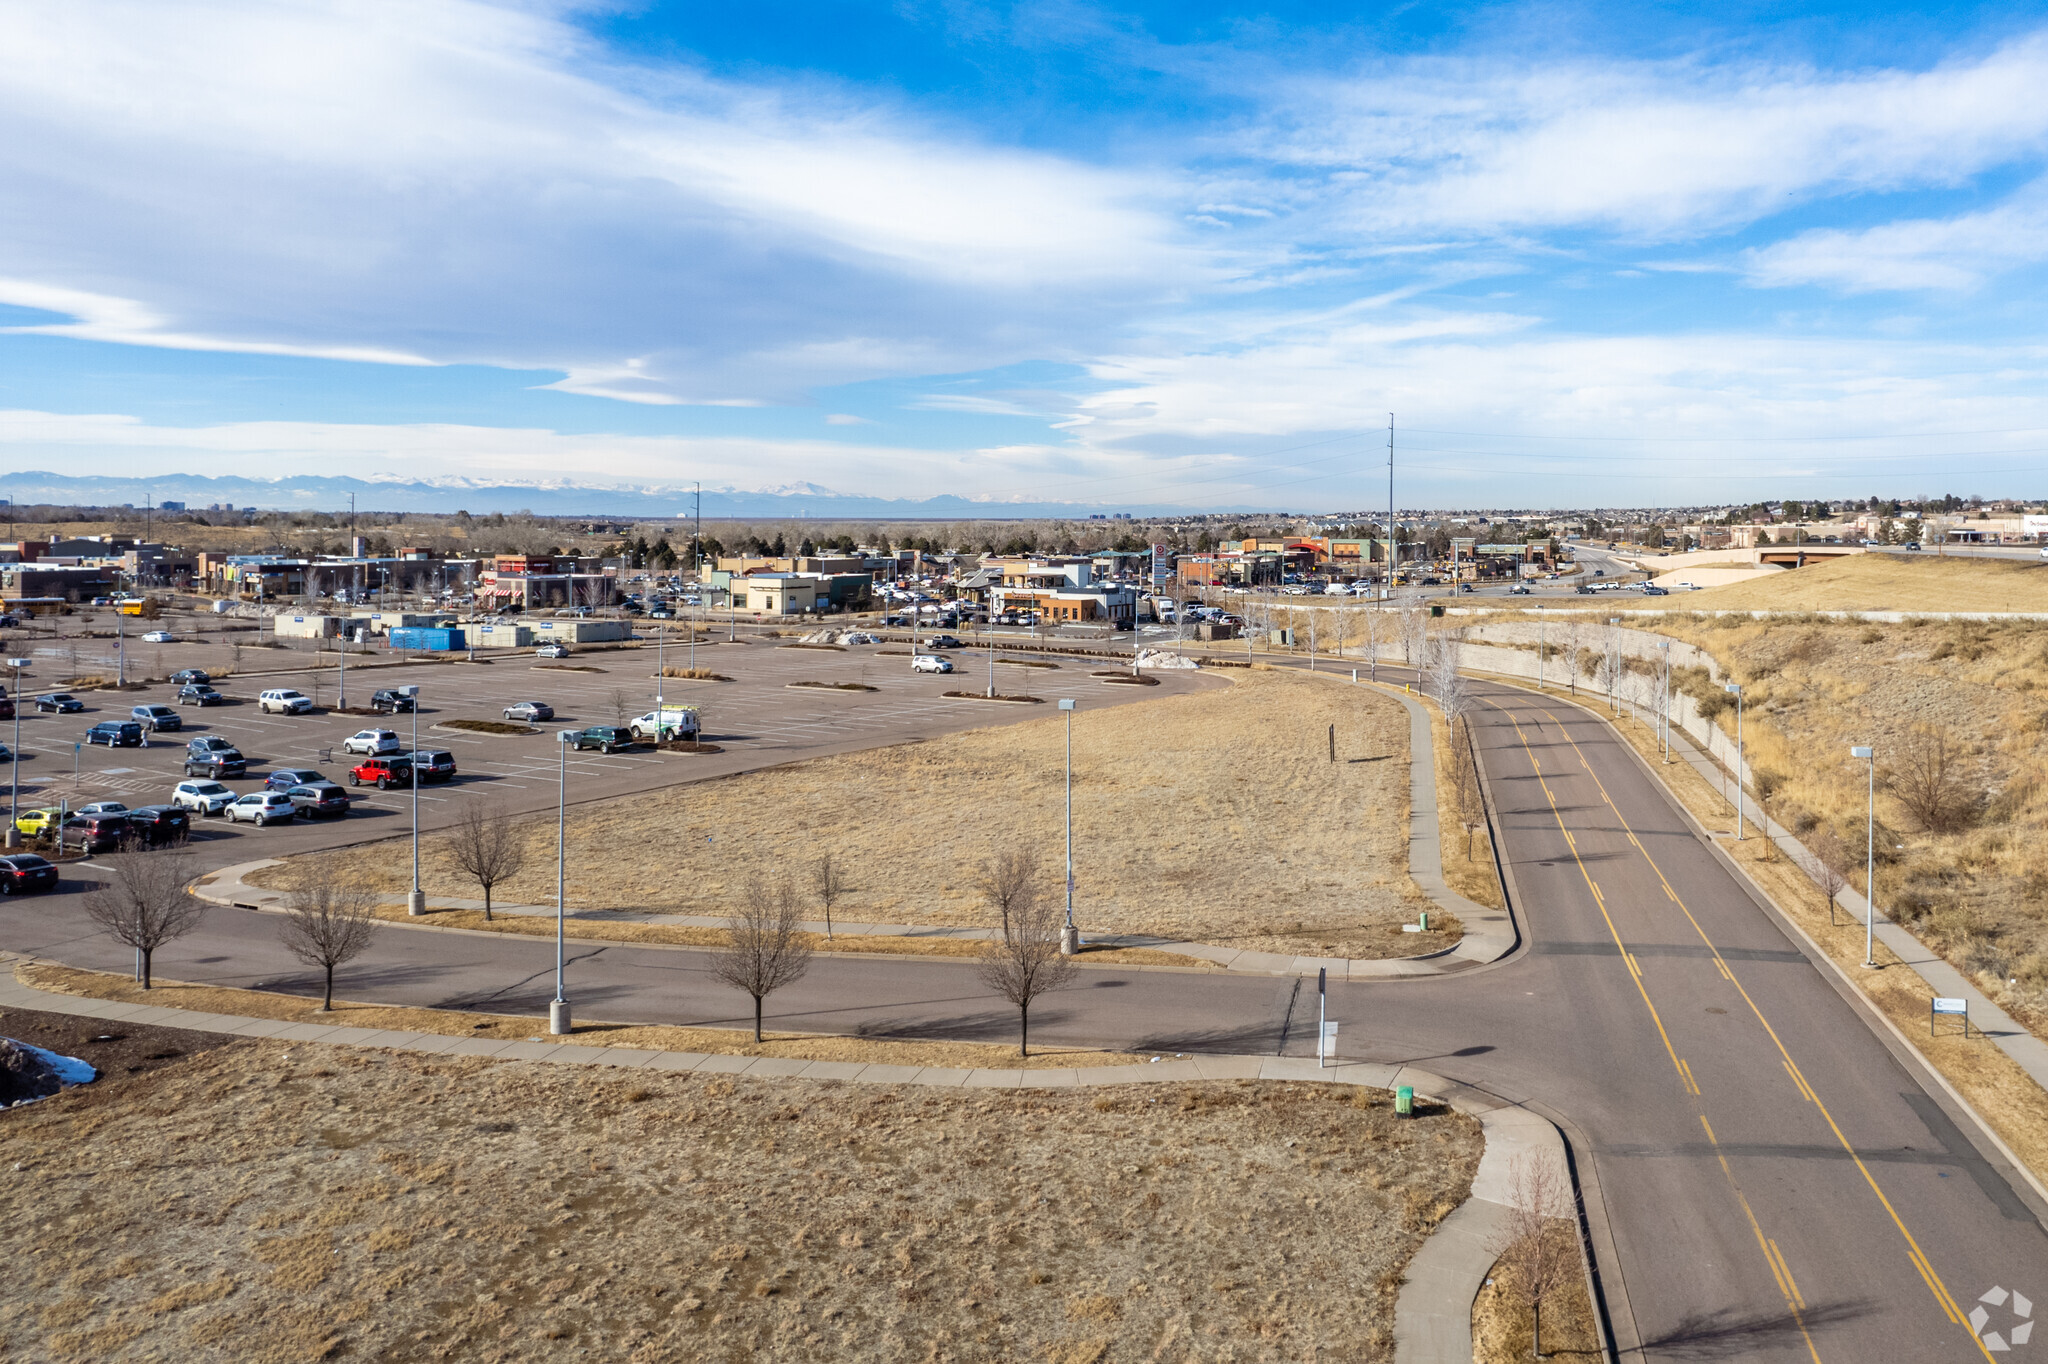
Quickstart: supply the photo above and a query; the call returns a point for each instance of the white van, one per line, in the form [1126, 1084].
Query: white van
[670, 722]
[284, 701]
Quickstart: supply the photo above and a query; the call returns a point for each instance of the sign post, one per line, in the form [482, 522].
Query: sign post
[1939, 1005]
[1322, 1016]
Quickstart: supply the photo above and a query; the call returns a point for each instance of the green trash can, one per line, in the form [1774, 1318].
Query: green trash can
[1404, 1101]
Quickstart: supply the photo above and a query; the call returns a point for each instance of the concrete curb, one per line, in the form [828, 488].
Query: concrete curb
[1432, 1316]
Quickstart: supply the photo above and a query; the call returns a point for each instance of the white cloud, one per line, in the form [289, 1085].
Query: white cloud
[1663, 151]
[1922, 253]
[462, 181]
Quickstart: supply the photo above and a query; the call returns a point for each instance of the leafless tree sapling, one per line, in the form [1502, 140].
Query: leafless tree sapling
[1009, 882]
[1926, 776]
[1831, 867]
[1445, 683]
[328, 924]
[1471, 805]
[487, 848]
[144, 903]
[1537, 1263]
[828, 882]
[1570, 647]
[1024, 962]
[765, 947]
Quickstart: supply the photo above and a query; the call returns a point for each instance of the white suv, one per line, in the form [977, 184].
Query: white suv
[263, 807]
[284, 701]
[207, 797]
[372, 742]
[931, 663]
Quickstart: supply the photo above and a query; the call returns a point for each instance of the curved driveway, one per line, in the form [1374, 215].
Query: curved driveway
[1768, 1180]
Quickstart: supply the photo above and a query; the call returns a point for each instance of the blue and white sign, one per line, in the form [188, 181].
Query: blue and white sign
[1951, 1006]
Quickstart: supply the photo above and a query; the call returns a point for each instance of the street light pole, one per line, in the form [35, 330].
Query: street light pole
[1735, 688]
[1869, 855]
[1070, 937]
[1664, 701]
[415, 903]
[1614, 664]
[558, 1011]
[14, 764]
[660, 668]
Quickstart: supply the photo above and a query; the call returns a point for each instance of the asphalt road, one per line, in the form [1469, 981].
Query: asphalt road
[1772, 1182]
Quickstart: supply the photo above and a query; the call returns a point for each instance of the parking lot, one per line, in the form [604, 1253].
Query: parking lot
[756, 719]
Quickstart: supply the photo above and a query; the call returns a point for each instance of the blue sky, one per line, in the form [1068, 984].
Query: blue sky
[1183, 254]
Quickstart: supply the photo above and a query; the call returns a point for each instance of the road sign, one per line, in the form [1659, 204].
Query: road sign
[1951, 1006]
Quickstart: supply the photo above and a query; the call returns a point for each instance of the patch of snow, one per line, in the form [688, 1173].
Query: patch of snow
[70, 1069]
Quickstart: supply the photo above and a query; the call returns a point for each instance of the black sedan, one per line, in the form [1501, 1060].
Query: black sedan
[200, 694]
[59, 703]
[157, 825]
[25, 874]
[186, 677]
[317, 800]
[115, 734]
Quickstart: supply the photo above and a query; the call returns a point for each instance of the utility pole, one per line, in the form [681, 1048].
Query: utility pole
[1390, 506]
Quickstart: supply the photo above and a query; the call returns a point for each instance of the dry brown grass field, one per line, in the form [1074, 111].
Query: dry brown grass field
[265, 1201]
[1214, 817]
[1887, 582]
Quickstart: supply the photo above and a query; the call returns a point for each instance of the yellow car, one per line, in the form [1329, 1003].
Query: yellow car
[36, 822]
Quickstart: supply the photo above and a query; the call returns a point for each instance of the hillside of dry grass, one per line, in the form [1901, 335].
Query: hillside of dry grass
[1216, 816]
[1887, 582]
[270, 1202]
[1978, 894]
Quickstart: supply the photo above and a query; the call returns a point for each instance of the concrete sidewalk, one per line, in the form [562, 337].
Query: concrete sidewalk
[1432, 1317]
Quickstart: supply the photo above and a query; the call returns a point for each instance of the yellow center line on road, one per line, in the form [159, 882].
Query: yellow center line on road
[1778, 1271]
[1914, 1254]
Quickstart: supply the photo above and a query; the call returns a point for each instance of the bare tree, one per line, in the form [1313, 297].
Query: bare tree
[1831, 866]
[622, 705]
[1009, 882]
[1570, 647]
[828, 882]
[1445, 683]
[1375, 626]
[1025, 961]
[144, 903]
[1536, 1262]
[328, 924]
[1766, 784]
[1415, 638]
[765, 944]
[487, 848]
[1926, 777]
[1470, 804]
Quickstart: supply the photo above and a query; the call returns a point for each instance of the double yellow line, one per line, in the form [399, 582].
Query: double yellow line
[1780, 1269]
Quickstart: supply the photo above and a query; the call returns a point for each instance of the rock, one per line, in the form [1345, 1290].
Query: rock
[24, 1074]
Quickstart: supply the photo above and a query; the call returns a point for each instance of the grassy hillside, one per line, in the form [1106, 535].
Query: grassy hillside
[1887, 582]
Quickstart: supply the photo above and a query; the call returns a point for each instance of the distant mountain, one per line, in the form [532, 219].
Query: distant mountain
[312, 493]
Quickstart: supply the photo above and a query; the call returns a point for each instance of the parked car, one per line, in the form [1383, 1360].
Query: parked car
[159, 637]
[285, 778]
[6, 754]
[218, 763]
[93, 833]
[432, 764]
[942, 642]
[604, 738]
[36, 823]
[102, 807]
[552, 649]
[368, 741]
[158, 825]
[157, 719]
[318, 800]
[284, 701]
[59, 703]
[186, 677]
[6, 708]
[115, 734]
[390, 703]
[209, 743]
[207, 797]
[530, 711]
[382, 773]
[25, 874]
[262, 808]
[200, 694]
[931, 663]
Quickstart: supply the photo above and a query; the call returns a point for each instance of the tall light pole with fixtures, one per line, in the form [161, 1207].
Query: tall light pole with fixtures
[1070, 937]
[415, 903]
[558, 1011]
[14, 763]
[1614, 664]
[1869, 855]
[1735, 689]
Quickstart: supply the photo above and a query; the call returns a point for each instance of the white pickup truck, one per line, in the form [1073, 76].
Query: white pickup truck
[670, 722]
